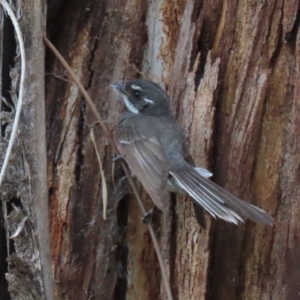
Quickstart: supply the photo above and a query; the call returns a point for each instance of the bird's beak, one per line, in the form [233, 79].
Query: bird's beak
[118, 86]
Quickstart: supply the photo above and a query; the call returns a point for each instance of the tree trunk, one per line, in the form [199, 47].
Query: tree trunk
[231, 69]
[25, 243]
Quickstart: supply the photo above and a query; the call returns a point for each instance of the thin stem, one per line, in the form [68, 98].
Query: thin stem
[21, 90]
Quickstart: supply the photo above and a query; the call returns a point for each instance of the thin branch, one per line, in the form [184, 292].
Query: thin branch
[56, 76]
[124, 166]
[21, 90]
[103, 180]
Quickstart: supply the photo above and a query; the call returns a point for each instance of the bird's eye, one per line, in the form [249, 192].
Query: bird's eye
[137, 94]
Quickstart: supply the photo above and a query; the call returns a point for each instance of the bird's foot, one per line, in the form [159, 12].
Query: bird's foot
[147, 217]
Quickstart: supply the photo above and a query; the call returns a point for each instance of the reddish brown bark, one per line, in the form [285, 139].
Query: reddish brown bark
[231, 70]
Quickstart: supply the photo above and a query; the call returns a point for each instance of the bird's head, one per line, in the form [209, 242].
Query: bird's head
[143, 97]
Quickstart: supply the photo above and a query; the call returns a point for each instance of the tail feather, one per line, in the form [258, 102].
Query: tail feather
[212, 206]
[217, 201]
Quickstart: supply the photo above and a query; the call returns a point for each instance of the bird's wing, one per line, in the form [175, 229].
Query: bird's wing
[148, 162]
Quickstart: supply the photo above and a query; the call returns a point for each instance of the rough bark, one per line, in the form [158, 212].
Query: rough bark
[231, 68]
[24, 193]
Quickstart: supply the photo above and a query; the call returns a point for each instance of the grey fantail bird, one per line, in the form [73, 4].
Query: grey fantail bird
[151, 141]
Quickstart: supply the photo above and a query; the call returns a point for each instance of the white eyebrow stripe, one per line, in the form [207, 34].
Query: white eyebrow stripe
[129, 105]
[136, 87]
[148, 100]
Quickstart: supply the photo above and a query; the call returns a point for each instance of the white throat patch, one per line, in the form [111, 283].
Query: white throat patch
[129, 105]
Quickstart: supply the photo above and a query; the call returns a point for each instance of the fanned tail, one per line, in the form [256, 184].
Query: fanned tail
[217, 201]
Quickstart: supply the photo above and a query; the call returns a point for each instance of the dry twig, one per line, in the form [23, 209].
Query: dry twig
[103, 180]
